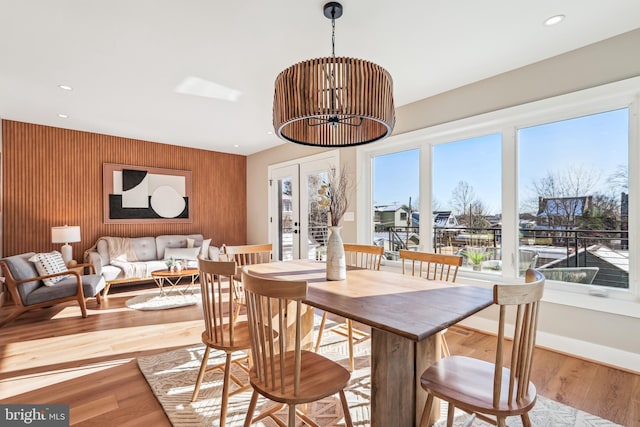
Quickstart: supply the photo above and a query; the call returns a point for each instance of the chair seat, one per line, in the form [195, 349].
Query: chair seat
[68, 287]
[468, 383]
[320, 377]
[241, 339]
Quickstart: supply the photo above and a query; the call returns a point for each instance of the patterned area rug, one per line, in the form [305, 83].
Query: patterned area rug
[172, 376]
[172, 299]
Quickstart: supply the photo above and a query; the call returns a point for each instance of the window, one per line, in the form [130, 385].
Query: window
[542, 185]
[466, 201]
[396, 218]
[574, 218]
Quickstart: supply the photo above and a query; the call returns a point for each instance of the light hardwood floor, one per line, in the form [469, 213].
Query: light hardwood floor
[54, 356]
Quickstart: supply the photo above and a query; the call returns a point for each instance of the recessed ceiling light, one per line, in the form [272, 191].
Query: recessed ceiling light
[63, 116]
[65, 87]
[270, 132]
[554, 20]
[236, 145]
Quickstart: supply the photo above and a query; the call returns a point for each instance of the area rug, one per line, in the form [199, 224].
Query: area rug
[156, 301]
[172, 376]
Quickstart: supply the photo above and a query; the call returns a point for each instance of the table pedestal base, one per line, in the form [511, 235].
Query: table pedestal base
[397, 397]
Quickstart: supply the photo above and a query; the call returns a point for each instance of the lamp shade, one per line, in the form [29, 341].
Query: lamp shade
[65, 234]
[333, 102]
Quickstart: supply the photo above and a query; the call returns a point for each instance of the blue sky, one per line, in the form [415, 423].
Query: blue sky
[598, 143]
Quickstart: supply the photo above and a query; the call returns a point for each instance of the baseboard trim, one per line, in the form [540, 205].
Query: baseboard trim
[597, 353]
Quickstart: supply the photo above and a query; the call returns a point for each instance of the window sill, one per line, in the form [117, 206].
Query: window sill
[621, 307]
[578, 299]
[593, 302]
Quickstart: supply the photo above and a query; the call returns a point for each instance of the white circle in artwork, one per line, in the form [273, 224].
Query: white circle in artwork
[167, 202]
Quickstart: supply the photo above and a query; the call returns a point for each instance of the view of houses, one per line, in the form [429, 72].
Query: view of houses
[568, 239]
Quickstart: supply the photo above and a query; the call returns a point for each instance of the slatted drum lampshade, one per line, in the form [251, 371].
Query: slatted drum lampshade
[333, 101]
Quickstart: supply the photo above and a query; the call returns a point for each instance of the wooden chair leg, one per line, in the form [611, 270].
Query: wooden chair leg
[450, 410]
[292, 415]
[424, 420]
[98, 298]
[526, 422]
[350, 339]
[251, 409]
[502, 422]
[203, 369]
[324, 318]
[83, 305]
[444, 345]
[236, 313]
[345, 408]
[225, 390]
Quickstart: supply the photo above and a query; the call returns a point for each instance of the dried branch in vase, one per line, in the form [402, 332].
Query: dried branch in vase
[333, 195]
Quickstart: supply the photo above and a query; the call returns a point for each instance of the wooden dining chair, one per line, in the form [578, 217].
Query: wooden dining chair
[246, 255]
[489, 390]
[361, 256]
[222, 331]
[281, 371]
[432, 266]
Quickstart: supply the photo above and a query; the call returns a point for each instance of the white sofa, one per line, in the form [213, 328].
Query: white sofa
[123, 260]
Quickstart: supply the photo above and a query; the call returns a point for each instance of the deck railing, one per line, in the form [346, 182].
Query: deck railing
[577, 249]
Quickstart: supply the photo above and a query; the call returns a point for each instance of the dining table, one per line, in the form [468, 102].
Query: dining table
[405, 314]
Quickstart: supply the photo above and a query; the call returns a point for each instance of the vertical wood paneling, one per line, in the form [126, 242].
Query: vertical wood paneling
[53, 176]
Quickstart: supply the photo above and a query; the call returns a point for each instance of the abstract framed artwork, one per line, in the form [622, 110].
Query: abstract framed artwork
[138, 194]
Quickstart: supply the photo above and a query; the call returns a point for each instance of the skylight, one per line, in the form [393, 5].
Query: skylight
[200, 87]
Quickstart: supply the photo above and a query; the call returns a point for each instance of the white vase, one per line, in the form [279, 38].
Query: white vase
[336, 261]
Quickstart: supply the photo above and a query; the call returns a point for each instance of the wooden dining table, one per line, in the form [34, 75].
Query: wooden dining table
[405, 314]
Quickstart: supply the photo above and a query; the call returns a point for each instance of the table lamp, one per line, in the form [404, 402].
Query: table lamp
[67, 234]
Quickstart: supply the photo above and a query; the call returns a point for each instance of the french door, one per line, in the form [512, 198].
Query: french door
[298, 225]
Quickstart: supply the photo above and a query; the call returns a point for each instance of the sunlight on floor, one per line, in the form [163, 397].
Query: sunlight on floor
[36, 381]
[74, 311]
[42, 352]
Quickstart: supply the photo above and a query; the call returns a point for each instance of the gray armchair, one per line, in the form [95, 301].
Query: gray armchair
[28, 292]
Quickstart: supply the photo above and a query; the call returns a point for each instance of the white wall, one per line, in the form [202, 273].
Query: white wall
[258, 187]
[593, 334]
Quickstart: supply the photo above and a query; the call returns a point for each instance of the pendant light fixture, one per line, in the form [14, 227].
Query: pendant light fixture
[333, 101]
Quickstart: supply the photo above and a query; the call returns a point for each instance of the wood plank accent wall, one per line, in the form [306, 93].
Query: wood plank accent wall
[53, 176]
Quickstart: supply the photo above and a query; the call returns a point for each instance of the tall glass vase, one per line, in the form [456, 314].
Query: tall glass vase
[336, 261]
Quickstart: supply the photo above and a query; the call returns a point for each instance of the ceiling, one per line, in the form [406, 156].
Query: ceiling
[124, 59]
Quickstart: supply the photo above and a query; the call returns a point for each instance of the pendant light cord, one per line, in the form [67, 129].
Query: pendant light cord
[333, 32]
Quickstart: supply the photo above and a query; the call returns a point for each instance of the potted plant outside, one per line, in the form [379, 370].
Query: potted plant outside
[475, 255]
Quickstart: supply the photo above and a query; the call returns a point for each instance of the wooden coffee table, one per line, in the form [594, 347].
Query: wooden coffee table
[173, 278]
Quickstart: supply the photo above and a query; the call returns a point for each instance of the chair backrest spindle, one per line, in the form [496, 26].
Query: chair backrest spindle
[526, 299]
[250, 254]
[217, 303]
[431, 265]
[363, 256]
[273, 305]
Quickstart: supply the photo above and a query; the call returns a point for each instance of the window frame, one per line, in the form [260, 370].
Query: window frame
[507, 122]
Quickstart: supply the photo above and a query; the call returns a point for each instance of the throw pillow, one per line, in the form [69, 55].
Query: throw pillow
[49, 263]
[204, 249]
[214, 254]
[182, 253]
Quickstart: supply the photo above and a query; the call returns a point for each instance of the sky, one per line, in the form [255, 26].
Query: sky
[596, 143]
